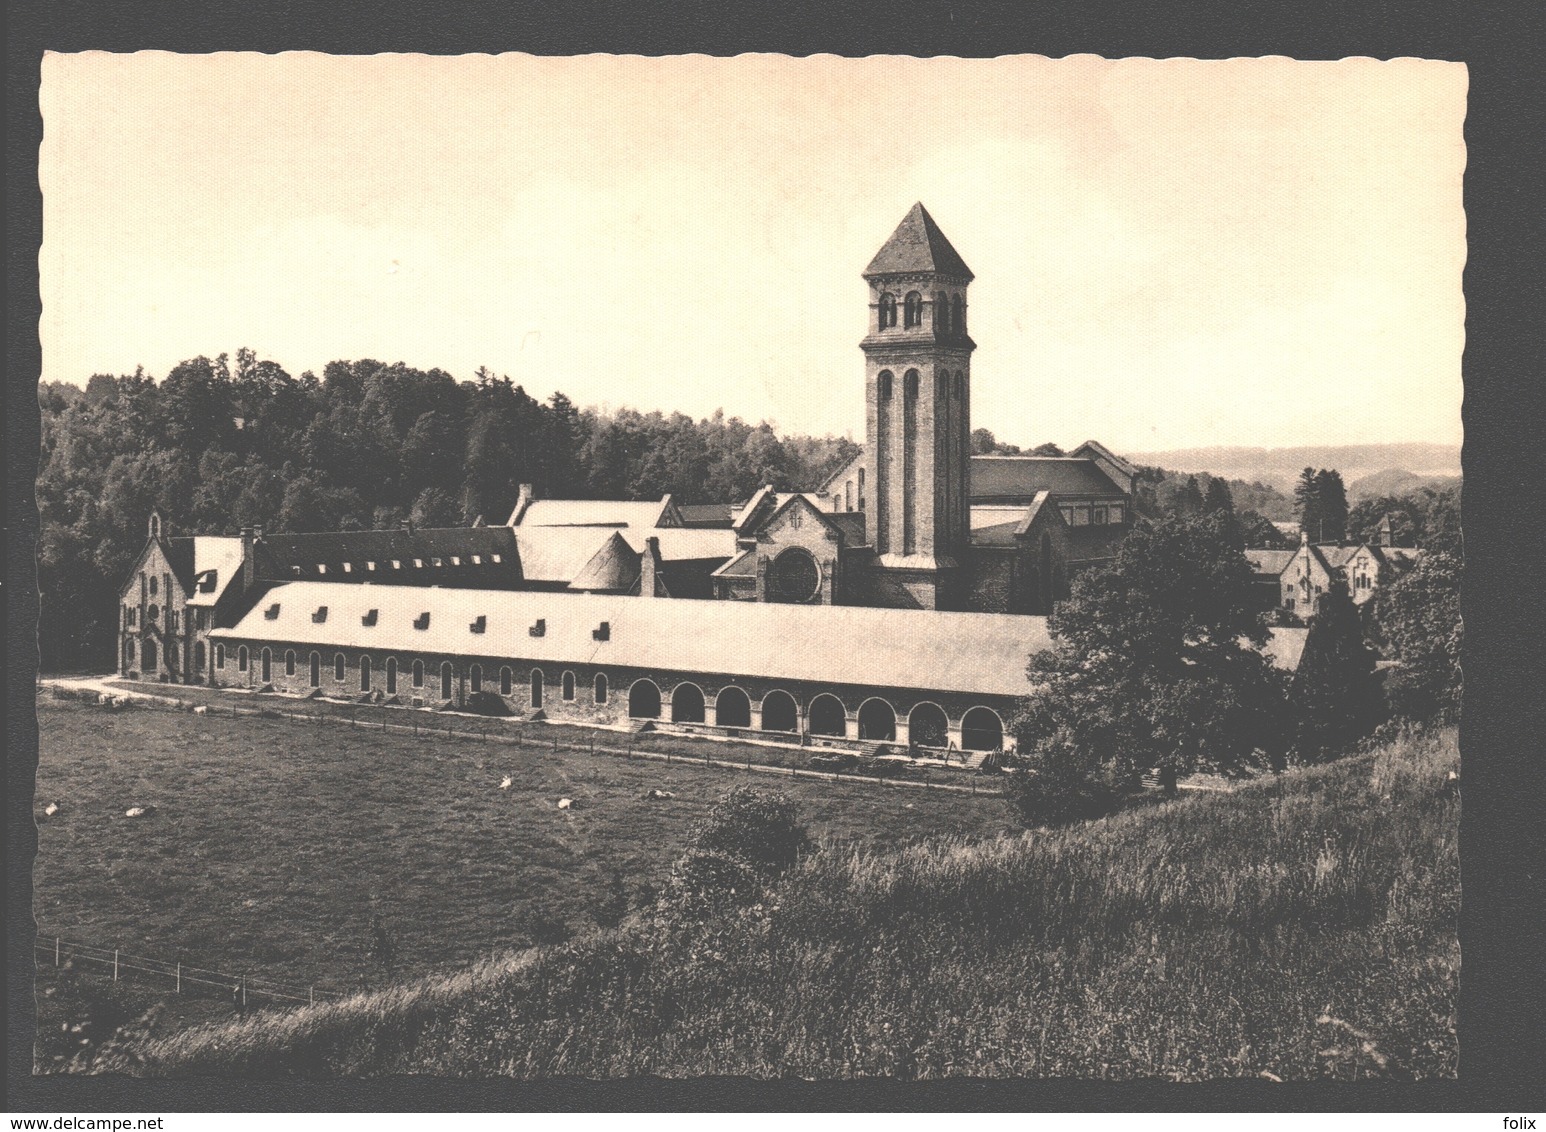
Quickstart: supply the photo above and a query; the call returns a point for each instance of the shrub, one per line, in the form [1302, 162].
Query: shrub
[1059, 783]
[760, 829]
[487, 703]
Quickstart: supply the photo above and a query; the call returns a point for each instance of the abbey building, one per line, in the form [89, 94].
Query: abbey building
[898, 602]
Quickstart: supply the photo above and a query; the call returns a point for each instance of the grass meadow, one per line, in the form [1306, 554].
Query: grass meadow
[273, 844]
[1302, 927]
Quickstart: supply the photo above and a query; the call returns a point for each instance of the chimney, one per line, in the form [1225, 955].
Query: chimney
[249, 563]
[523, 500]
[649, 565]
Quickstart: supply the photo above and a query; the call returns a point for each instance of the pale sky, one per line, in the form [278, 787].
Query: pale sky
[1167, 254]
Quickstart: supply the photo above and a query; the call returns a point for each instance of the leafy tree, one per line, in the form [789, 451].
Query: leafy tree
[1188, 500]
[984, 443]
[1418, 615]
[1331, 498]
[1335, 692]
[1218, 499]
[1048, 449]
[1261, 534]
[749, 839]
[1156, 663]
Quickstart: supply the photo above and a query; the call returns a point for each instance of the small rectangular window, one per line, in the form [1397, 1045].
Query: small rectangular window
[322, 567]
[477, 560]
[370, 566]
[418, 563]
[496, 558]
[455, 561]
[397, 563]
[348, 567]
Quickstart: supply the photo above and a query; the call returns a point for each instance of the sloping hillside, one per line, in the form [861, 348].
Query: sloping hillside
[1280, 467]
[1300, 927]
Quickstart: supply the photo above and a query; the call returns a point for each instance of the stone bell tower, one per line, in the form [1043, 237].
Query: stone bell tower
[917, 389]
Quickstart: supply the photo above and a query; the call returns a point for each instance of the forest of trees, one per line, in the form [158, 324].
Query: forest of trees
[220, 444]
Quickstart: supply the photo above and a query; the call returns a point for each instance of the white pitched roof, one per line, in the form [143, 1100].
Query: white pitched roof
[592, 513]
[985, 653]
[982, 653]
[223, 555]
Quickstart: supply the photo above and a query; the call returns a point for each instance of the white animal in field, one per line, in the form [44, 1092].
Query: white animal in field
[565, 803]
[660, 794]
[134, 812]
[506, 784]
[51, 809]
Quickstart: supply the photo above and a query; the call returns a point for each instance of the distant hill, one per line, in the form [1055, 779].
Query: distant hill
[1395, 481]
[1280, 467]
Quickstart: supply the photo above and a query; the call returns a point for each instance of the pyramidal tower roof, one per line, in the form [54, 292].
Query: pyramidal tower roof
[917, 245]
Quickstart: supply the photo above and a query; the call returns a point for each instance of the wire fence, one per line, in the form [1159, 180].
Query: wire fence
[241, 990]
[485, 729]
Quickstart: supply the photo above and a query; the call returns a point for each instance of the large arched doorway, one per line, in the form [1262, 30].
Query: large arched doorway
[148, 656]
[687, 704]
[827, 716]
[644, 700]
[877, 721]
[982, 730]
[780, 712]
[928, 726]
[732, 708]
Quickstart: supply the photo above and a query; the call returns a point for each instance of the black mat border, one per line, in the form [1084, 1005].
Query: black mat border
[1503, 927]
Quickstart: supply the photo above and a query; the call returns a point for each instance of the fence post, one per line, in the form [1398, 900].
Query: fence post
[179, 977]
[555, 742]
[115, 964]
[244, 992]
[311, 996]
[56, 951]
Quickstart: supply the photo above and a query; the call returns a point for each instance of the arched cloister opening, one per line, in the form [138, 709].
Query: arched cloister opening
[644, 700]
[928, 726]
[732, 708]
[827, 716]
[877, 721]
[982, 730]
[780, 712]
[687, 704]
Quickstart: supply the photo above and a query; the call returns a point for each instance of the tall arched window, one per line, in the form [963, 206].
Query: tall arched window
[128, 653]
[599, 688]
[960, 315]
[219, 656]
[268, 666]
[289, 662]
[912, 310]
[241, 659]
[887, 310]
[316, 670]
[475, 678]
[365, 673]
[941, 313]
[910, 385]
[152, 585]
[447, 676]
[568, 686]
[505, 679]
[338, 666]
[883, 385]
[942, 383]
[391, 676]
[198, 656]
[418, 674]
[536, 687]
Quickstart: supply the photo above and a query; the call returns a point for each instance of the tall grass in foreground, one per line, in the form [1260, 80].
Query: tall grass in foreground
[1300, 927]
